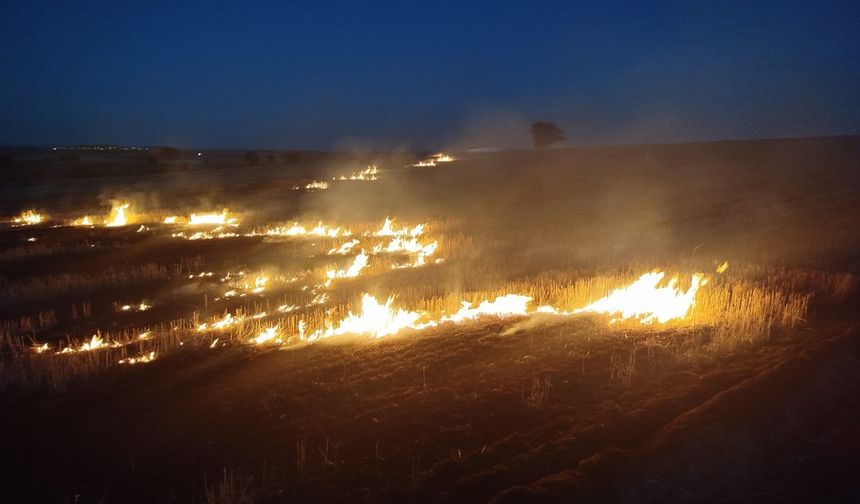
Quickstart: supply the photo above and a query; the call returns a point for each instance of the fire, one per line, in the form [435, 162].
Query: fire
[95, 343]
[260, 284]
[212, 219]
[381, 319]
[644, 300]
[322, 230]
[389, 229]
[503, 306]
[117, 216]
[142, 306]
[358, 264]
[369, 173]
[435, 159]
[723, 267]
[343, 249]
[28, 218]
[375, 319]
[316, 184]
[411, 246]
[92, 344]
[269, 335]
[201, 235]
[226, 321]
[83, 221]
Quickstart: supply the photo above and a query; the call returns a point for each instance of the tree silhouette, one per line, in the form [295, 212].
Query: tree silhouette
[544, 134]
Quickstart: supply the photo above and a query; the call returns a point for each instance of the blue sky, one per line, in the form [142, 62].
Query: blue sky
[424, 74]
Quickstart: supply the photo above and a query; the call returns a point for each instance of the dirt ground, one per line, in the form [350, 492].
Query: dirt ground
[461, 415]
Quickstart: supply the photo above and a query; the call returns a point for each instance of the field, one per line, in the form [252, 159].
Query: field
[395, 327]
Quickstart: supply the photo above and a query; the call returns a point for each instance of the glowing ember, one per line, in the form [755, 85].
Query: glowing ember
[117, 216]
[723, 267]
[646, 301]
[28, 218]
[139, 360]
[41, 348]
[171, 219]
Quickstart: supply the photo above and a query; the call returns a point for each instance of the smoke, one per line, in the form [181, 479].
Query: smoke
[491, 129]
[532, 321]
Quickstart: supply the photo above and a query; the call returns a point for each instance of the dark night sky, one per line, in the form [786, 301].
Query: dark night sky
[424, 74]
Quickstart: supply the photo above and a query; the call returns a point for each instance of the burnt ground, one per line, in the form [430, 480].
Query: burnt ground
[464, 414]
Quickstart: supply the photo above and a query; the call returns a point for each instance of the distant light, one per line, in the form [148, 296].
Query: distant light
[199, 153]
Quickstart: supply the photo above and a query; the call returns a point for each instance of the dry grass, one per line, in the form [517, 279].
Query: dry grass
[47, 285]
[231, 489]
[39, 249]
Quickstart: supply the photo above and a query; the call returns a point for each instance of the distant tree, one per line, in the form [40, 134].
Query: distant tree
[545, 134]
[270, 158]
[252, 158]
